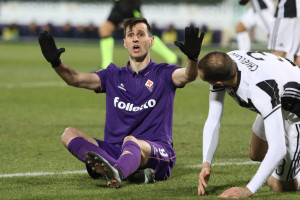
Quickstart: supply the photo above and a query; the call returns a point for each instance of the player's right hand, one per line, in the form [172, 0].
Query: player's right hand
[49, 49]
[203, 180]
[243, 2]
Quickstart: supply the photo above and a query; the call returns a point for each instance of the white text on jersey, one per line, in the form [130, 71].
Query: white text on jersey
[130, 107]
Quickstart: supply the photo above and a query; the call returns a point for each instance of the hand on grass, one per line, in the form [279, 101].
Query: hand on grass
[203, 179]
[236, 192]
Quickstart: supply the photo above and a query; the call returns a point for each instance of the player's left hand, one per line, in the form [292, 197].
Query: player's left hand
[236, 192]
[192, 43]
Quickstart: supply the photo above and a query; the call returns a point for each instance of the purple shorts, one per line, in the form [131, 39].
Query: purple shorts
[162, 158]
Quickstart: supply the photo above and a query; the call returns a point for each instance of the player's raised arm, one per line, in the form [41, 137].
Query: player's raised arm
[69, 75]
[191, 48]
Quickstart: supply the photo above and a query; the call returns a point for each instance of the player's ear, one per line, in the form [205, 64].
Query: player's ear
[151, 41]
[125, 44]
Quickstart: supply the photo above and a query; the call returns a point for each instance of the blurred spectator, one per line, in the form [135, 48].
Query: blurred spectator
[208, 35]
[48, 27]
[80, 32]
[155, 30]
[32, 30]
[67, 31]
[92, 31]
[170, 35]
[11, 33]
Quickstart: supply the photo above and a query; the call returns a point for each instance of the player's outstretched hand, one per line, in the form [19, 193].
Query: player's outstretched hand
[49, 49]
[203, 180]
[236, 193]
[243, 2]
[192, 43]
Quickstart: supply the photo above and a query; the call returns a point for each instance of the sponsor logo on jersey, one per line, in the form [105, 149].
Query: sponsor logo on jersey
[149, 85]
[131, 107]
[122, 87]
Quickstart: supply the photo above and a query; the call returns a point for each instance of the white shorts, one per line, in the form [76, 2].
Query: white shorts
[285, 36]
[264, 20]
[289, 166]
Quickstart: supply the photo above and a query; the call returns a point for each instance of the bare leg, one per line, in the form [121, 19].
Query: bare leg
[145, 149]
[71, 133]
[258, 148]
[279, 53]
[297, 60]
[280, 186]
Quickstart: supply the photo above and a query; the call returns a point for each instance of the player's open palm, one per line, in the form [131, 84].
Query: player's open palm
[203, 180]
[192, 43]
[49, 49]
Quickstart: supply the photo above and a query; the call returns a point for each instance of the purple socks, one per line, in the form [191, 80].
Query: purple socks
[130, 159]
[79, 147]
[128, 162]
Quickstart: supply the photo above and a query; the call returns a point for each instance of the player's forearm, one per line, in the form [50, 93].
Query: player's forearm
[212, 125]
[68, 74]
[191, 71]
[276, 150]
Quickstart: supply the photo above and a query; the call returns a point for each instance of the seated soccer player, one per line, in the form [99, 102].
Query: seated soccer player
[139, 105]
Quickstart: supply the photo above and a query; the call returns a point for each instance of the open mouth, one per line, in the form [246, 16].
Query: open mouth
[136, 48]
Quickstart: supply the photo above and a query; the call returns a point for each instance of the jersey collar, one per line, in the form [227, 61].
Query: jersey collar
[143, 72]
[239, 74]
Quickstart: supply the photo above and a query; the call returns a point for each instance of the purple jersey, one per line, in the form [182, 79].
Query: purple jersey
[140, 104]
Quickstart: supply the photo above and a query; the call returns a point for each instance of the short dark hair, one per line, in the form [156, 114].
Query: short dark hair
[130, 22]
[217, 66]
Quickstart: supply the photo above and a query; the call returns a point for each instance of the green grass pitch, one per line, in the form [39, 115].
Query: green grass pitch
[36, 106]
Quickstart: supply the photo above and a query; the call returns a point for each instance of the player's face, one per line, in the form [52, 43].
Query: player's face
[137, 41]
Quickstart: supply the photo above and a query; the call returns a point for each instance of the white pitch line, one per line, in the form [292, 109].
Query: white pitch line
[223, 164]
[40, 174]
[33, 84]
[84, 171]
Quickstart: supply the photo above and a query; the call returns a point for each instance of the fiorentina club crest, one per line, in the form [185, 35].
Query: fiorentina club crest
[149, 85]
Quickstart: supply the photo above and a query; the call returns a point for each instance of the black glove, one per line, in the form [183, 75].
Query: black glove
[49, 49]
[192, 44]
[243, 2]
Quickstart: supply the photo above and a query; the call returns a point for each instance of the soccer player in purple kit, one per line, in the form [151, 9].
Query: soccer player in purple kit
[139, 106]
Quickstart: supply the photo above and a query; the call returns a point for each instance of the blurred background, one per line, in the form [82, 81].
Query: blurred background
[79, 20]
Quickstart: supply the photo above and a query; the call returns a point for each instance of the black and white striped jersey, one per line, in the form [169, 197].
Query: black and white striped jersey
[259, 5]
[288, 9]
[266, 83]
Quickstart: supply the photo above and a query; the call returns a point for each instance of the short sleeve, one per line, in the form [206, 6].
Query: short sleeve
[169, 69]
[104, 75]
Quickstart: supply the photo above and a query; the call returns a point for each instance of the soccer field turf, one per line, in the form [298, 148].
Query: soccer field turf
[36, 106]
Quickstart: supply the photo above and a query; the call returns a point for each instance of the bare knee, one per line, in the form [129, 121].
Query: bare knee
[68, 135]
[240, 27]
[255, 157]
[282, 186]
[129, 138]
[274, 184]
